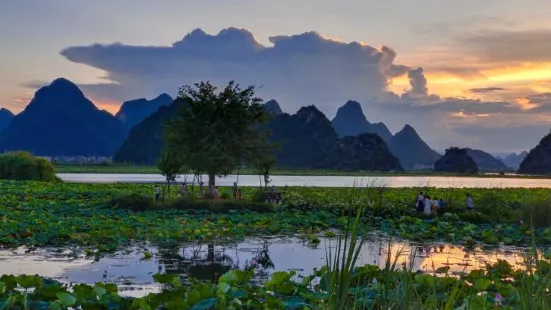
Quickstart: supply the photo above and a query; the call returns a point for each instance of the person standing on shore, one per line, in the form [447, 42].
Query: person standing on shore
[470, 205]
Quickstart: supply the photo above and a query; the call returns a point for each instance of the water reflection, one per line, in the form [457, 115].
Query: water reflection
[208, 261]
[324, 181]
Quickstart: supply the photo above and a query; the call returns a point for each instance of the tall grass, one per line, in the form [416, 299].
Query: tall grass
[496, 287]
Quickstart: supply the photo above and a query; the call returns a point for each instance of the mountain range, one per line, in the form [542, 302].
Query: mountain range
[60, 120]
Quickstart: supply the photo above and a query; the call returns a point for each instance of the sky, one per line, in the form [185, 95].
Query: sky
[462, 73]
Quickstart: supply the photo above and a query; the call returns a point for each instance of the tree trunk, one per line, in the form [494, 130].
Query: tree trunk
[212, 179]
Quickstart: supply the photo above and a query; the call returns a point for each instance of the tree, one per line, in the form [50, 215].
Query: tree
[170, 166]
[215, 131]
[263, 163]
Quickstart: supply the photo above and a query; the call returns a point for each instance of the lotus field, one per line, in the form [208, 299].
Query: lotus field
[103, 218]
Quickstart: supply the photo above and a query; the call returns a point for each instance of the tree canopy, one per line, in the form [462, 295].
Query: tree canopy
[215, 131]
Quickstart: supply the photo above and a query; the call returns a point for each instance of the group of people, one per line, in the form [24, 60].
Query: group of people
[429, 205]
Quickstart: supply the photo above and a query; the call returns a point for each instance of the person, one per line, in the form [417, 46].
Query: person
[435, 204]
[183, 190]
[420, 203]
[470, 205]
[441, 203]
[234, 190]
[157, 192]
[426, 210]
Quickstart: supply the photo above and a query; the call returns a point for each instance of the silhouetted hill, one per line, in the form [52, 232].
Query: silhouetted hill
[366, 151]
[456, 160]
[513, 160]
[273, 107]
[538, 160]
[145, 140]
[134, 111]
[306, 138]
[59, 121]
[5, 118]
[350, 121]
[411, 150]
[485, 161]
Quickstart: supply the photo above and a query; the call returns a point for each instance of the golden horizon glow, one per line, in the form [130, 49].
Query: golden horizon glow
[533, 76]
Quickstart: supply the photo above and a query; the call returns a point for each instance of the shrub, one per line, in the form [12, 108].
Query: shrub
[140, 203]
[134, 202]
[24, 166]
[219, 206]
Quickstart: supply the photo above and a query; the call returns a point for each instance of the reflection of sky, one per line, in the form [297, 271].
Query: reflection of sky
[135, 275]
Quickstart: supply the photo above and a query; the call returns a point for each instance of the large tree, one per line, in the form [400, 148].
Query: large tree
[215, 130]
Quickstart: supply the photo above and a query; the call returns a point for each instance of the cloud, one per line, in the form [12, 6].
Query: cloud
[485, 90]
[507, 45]
[297, 70]
[418, 82]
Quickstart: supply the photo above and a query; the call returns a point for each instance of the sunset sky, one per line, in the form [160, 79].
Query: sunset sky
[486, 65]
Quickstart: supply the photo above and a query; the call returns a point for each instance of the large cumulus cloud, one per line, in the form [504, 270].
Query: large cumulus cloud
[297, 70]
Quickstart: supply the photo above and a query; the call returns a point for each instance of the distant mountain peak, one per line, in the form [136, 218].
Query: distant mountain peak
[273, 107]
[409, 129]
[351, 109]
[163, 96]
[63, 84]
[134, 111]
[350, 120]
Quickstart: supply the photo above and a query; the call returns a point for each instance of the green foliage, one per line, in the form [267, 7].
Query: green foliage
[134, 202]
[170, 165]
[214, 131]
[38, 214]
[140, 203]
[24, 166]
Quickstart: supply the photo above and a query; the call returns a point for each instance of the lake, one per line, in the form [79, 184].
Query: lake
[321, 181]
[134, 275]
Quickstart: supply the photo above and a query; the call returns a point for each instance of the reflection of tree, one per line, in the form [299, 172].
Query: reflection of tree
[193, 262]
[209, 265]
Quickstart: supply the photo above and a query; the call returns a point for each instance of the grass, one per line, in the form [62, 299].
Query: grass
[136, 169]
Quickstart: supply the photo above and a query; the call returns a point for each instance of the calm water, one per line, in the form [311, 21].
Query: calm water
[322, 181]
[208, 262]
